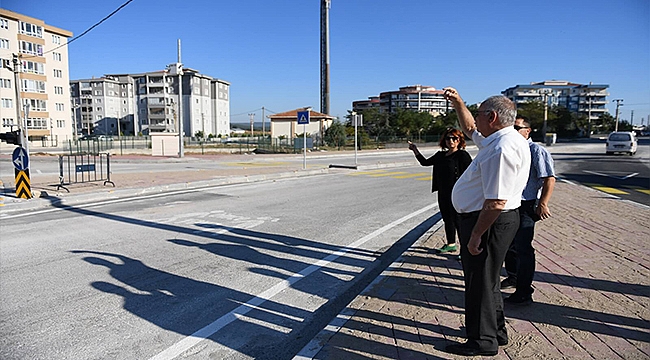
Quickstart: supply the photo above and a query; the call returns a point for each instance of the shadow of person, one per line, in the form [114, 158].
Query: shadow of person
[185, 306]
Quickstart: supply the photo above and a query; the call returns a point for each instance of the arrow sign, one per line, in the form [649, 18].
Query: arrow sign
[303, 117]
[20, 159]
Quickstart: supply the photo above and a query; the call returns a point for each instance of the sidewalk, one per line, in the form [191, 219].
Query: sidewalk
[592, 297]
[592, 293]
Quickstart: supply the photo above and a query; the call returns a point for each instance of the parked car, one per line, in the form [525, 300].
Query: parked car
[95, 137]
[621, 141]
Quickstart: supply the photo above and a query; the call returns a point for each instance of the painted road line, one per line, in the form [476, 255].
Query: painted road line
[607, 189]
[367, 172]
[427, 178]
[410, 175]
[639, 189]
[204, 333]
[388, 174]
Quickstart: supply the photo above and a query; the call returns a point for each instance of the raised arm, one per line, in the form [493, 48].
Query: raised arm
[465, 118]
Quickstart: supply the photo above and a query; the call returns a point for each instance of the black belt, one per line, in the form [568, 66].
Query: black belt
[475, 213]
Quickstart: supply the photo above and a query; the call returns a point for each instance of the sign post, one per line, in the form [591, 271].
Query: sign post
[303, 118]
[20, 159]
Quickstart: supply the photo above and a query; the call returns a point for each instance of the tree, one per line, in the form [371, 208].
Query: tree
[335, 135]
[606, 123]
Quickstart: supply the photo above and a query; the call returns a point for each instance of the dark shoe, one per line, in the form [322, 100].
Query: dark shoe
[502, 342]
[467, 349]
[509, 283]
[518, 299]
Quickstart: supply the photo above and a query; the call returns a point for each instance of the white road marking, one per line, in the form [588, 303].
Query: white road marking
[202, 334]
[611, 176]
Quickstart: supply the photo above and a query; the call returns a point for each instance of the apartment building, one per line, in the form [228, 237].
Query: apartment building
[43, 77]
[146, 103]
[588, 99]
[414, 97]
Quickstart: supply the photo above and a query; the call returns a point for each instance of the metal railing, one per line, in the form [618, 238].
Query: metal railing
[81, 168]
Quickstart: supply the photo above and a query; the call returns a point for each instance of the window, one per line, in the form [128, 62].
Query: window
[98, 117]
[30, 29]
[99, 101]
[7, 103]
[8, 122]
[27, 47]
[36, 104]
[5, 83]
[33, 86]
[99, 108]
[56, 39]
[56, 56]
[58, 73]
[58, 90]
[97, 92]
[60, 107]
[33, 67]
[4, 43]
[4, 23]
[60, 123]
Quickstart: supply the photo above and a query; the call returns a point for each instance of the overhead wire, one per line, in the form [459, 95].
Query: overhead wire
[85, 32]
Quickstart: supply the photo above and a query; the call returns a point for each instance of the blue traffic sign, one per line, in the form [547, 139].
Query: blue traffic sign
[20, 159]
[303, 117]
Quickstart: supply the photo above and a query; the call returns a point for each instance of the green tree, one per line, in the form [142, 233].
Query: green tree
[563, 122]
[335, 134]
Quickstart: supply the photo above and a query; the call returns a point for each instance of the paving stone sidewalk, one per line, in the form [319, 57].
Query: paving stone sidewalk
[592, 293]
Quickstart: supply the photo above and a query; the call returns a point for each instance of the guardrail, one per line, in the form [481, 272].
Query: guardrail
[81, 168]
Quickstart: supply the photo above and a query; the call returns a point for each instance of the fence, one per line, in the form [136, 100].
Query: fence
[85, 168]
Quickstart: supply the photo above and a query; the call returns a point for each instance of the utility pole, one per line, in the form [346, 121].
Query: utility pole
[252, 118]
[589, 118]
[22, 123]
[632, 117]
[544, 126]
[262, 122]
[324, 57]
[618, 104]
[181, 149]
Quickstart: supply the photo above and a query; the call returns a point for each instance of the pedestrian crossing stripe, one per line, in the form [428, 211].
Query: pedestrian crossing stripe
[23, 189]
[639, 189]
[427, 178]
[607, 189]
[411, 175]
[388, 174]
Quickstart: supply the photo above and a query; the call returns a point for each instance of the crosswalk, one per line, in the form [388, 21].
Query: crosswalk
[626, 190]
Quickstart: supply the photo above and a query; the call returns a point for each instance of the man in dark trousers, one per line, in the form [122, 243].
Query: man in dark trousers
[487, 196]
[520, 259]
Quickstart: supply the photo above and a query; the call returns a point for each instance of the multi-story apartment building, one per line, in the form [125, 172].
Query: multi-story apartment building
[415, 97]
[43, 77]
[590, 100]
[145, 103]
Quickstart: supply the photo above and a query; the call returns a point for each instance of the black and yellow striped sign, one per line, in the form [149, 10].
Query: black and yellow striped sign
[23, 188]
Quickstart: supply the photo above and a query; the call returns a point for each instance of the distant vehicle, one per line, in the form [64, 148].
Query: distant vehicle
[95, 137]
[621, 141]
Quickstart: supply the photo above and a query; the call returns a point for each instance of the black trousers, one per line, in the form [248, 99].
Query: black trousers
[449, 216]
[484, 319]
[520, 259]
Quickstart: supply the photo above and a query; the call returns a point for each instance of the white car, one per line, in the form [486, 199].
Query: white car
[621, 141]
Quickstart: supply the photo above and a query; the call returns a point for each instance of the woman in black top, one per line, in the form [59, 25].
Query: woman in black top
[448, 164]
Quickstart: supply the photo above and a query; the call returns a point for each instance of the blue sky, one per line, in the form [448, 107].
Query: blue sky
[270, 50]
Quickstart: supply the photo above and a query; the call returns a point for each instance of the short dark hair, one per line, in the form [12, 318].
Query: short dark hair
[524, 120]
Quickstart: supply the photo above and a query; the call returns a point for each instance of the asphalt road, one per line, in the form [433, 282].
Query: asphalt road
[236, 272]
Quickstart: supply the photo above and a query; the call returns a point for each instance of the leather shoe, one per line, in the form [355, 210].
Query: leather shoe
[508, 283]
[468, 350]
[518, 299]
[502, 342]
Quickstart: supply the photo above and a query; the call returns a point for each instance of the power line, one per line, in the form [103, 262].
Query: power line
[88, 30]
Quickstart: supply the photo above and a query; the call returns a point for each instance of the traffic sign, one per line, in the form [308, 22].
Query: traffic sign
[303, 117]
[23, 187]
[20, 159]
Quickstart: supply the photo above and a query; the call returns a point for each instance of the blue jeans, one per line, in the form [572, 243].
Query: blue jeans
[520, 259]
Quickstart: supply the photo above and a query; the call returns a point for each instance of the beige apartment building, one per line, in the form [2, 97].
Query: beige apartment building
[43, 77]
[419, 98]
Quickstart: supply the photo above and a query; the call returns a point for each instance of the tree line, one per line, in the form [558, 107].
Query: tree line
[414, 125]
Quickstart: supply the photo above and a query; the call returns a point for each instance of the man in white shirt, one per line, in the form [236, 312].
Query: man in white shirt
[487, 197]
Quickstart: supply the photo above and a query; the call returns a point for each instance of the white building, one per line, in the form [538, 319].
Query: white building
[415, 97]
[147, 103]
[43, 77]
